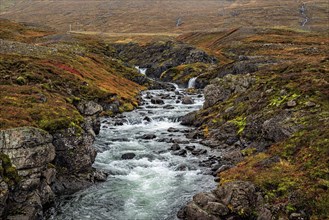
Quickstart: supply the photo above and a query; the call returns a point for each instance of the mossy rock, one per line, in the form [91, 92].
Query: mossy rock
[8, 171]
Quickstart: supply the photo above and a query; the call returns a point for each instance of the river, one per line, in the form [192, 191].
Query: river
[155, 184]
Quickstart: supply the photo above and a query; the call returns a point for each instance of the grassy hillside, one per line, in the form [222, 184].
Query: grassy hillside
[44, 75]
[282, 119]
[131, 16]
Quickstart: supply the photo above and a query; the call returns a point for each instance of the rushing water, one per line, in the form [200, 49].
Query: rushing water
[154, 184]
[191, 82]
[141, 70]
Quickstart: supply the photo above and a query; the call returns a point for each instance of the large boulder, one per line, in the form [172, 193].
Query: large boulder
[234, 200]
[189, 119]
[187, 100]
[26, 154]
[222, 88]
[89, 108]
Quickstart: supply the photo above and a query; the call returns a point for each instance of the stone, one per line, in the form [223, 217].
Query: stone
[171, 129]
[181, 152]
[232, 156]
[217, 209]
[157, 101]
[222, 88]
[187, 100]
[238, 195]
[192, 212]
[198, 152]
[89, 108]
[74, 150]
[310, 104]
[222, 169]
[4, 193]
[190, 148]
[291, 104]
[100, 176]
[264, 214]
[189, 119]
[120, 122]
[297, 216]
[128, 156]
[180, 141]
[168, 107]
[30, 151]
[175, 147]
[49, 175]
[148, 136]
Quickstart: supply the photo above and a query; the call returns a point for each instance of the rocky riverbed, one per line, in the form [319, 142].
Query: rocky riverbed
[153, 168]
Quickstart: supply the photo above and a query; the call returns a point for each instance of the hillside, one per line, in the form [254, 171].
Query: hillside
[169, 16]
[267, 112]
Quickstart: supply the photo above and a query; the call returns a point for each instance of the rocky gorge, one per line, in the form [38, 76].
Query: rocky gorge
[259, 128]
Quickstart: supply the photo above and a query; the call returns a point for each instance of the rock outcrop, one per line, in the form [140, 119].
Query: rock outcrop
[222, 88]
[37, 166]
[30, 151]
[234, 200]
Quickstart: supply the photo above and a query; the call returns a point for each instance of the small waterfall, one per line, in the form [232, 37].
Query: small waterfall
[141, 70]
[191, 82]
[176, 86]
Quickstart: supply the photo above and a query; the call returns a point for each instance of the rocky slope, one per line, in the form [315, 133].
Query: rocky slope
[271, 123]
[53, 88]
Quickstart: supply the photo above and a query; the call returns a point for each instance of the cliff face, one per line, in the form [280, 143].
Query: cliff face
[30, 151]
[37, 166]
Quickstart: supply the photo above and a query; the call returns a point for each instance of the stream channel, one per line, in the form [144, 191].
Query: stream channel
[154, 184]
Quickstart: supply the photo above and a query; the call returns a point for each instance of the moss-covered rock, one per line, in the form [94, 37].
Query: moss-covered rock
[8, 172]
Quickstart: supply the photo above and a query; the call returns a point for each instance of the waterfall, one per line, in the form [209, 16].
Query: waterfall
[141, 70]
[191, 82]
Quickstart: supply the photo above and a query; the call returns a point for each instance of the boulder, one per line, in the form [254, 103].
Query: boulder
[157, 101]
[222, 88]
[168, 107]
[198, 152]
[89, 108]
[171, 129]
[175, 147]
[128, 156]
[146, 118]
[181, 152]
[148, 136]
[222, 169]
[226, 202]
[291, 104]
[187, 100]
[189, 119]
[190, 148]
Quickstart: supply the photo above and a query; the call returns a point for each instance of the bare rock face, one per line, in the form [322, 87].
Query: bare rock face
[29, 151]
[234, 200]
[35, 166]
[222, 88]
[75, 156]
